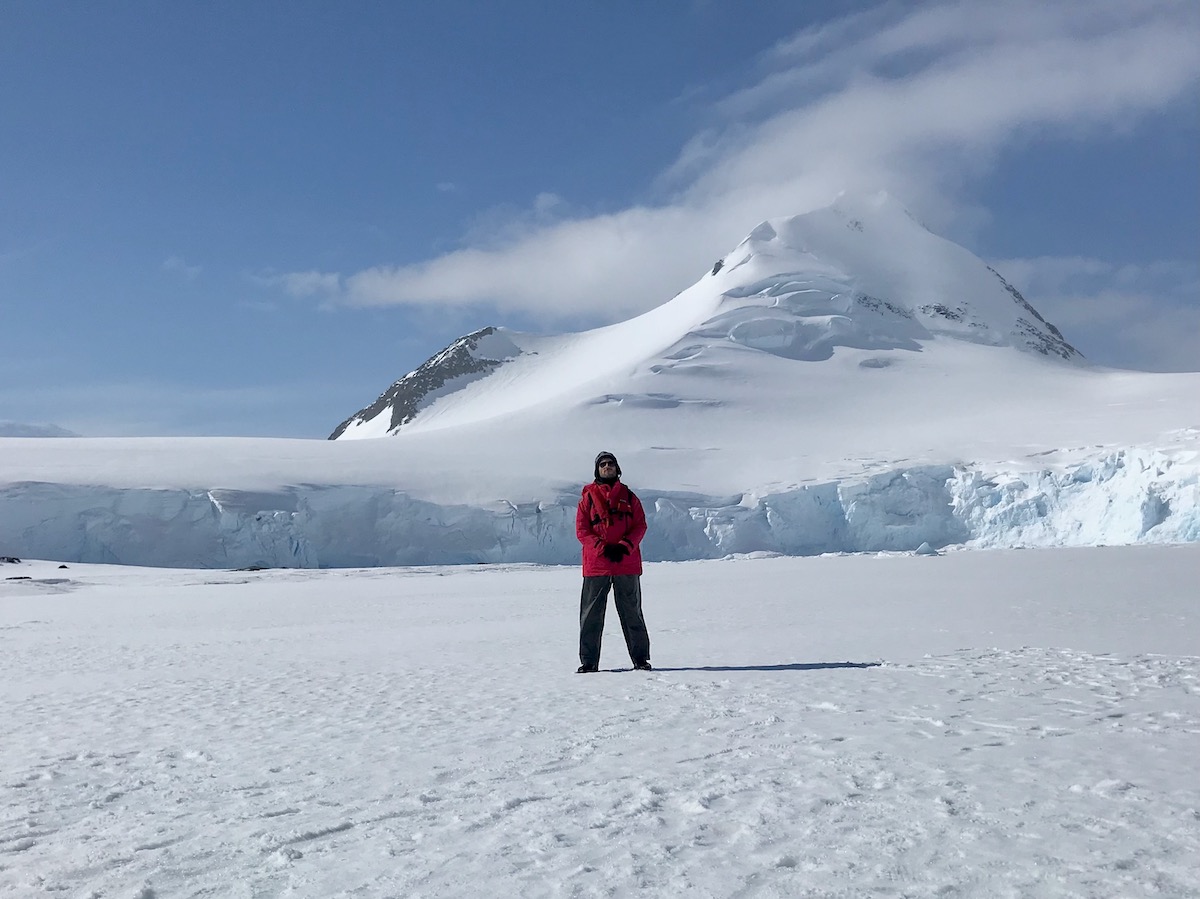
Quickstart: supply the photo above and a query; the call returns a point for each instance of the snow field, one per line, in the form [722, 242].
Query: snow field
[974, 724]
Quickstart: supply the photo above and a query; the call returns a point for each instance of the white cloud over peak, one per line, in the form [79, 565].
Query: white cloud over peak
[918, 102]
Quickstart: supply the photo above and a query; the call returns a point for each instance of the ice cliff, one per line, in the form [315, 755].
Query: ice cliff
[1121, 497]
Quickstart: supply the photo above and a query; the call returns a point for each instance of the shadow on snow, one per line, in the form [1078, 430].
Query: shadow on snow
[797, 666]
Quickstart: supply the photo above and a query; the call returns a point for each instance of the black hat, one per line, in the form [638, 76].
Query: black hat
[606, 455]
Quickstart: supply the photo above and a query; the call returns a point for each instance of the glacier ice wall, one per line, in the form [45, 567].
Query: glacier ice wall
[1128, 496]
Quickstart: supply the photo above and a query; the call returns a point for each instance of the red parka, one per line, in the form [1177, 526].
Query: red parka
[610, 513]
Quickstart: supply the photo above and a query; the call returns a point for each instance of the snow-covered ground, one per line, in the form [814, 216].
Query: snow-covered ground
[1013, 723]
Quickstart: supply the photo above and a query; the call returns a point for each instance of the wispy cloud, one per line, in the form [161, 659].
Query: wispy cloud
[176, 265]
[302, 284]
[920, 103]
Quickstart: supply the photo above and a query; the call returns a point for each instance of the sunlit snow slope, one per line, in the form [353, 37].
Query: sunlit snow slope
[861, 274]
[841, 381]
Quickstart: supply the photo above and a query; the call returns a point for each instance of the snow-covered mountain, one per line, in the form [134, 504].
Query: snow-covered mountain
[22, 429]
[861, 274]
[841, 381]
[467, 359]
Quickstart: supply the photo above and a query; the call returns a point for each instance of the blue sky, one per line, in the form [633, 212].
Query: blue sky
[249, 219]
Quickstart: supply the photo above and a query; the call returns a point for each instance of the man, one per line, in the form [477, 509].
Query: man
[610, 523]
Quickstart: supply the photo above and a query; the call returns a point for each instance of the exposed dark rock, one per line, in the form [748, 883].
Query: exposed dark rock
[1051, 344]
[717, 267]
[1039, 341]
[877, 305]
[957, 314]
[407, 396]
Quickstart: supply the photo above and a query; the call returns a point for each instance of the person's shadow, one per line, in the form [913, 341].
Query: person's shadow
[796, 666]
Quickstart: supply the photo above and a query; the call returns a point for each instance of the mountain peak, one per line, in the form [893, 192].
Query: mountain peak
[465, 360]
[864, 273]
[859, 276]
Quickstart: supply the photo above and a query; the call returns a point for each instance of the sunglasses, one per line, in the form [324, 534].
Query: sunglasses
[608, 463]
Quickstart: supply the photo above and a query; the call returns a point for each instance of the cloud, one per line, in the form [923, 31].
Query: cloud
[178, 266]
[918, 102]
[302, 284]
[1123, 316]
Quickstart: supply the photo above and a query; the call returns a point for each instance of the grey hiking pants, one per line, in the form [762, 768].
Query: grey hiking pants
[627, 594]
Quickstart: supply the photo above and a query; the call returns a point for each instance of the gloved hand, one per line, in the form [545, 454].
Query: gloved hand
[615, 552]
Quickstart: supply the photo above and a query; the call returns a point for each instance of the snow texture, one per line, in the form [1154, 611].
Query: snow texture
[969, 725]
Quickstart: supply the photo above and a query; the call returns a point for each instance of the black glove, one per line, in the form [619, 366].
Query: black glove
[615, 552]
